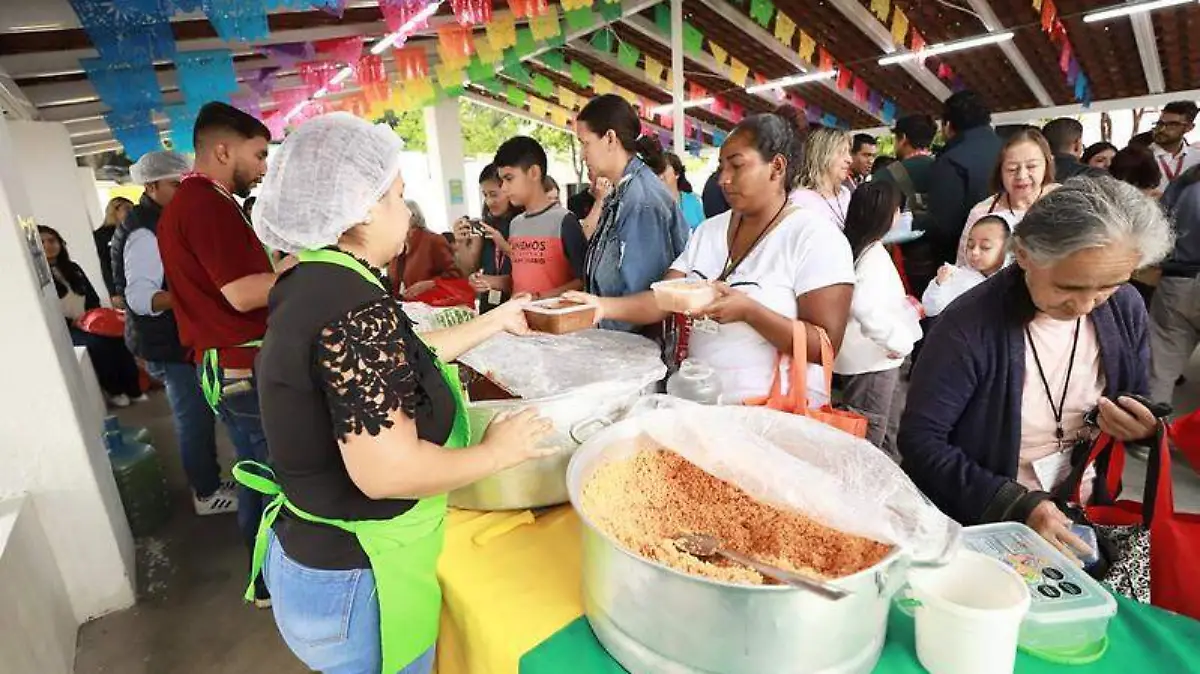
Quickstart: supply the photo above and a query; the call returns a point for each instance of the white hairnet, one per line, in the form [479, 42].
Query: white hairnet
[154, 166]
[323, 180]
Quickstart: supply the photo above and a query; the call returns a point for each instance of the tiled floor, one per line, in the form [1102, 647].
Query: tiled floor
[190, 618]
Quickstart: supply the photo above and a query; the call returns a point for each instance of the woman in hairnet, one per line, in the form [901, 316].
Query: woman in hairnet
[365, 421]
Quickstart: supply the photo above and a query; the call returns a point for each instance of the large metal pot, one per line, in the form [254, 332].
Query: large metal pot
[656, 620]
[576, 415]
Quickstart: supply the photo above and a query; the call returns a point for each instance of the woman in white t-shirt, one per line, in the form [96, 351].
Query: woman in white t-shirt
[1024, 173]
[823, 170]
[775, 264]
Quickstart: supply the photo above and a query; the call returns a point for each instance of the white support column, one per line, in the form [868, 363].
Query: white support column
[50, 432]
[993, 24]
[443, 134]
[677, 95]
[51, 181]
[1147, 44]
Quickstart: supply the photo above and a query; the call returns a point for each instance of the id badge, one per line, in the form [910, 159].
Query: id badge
[706, 326]
[1052, 470]
[494, 297]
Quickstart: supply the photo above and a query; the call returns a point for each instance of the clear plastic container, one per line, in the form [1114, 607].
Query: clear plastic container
[558, 317]
[1068, 620]
[683, 296]
[696, 382]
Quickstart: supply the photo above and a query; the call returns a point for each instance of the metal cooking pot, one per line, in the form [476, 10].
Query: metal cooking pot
[656, 620]
[576, 415]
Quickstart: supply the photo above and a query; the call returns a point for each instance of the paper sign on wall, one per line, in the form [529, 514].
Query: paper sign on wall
[33, 241]
[456, 193]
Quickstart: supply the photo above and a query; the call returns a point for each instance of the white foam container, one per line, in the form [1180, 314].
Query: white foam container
[968, 615]
[1070, 610]
[683, 296]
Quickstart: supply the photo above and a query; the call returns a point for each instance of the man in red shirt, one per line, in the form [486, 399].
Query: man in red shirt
[219, 275]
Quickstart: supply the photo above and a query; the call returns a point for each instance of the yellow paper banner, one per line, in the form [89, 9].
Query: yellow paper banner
[560, 117]
[484, 49]
[449, 76]
[628, 95]
[601, 84]
[569, 5]
[654, 69]
[1037, 4]
[545, 26]
[738, 72]
[899, 28]
[807, 46]
[537, 107]
[567, 98]
[457, 60]
[502, 32]
[884, 7]
[718, 52]
[785, 28]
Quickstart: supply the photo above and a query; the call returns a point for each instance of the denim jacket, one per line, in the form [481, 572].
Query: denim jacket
[641, 232]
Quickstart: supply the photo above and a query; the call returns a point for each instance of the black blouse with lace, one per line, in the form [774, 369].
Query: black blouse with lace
[339, 359]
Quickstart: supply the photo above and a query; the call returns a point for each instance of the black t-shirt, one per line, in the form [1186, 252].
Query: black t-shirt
[339, 358]
[493, 261]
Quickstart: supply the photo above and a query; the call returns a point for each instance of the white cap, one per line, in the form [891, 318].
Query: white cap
[323, 180]
[160, 165]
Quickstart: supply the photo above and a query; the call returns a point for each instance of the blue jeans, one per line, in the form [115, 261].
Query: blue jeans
[240, 414]
[330, 619]
[195, 426]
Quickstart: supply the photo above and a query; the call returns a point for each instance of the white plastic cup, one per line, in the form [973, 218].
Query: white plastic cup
[969, 615]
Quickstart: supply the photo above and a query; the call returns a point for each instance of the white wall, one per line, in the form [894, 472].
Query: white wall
[91, 195]
[52, 183]
[37, 627]
[50, 430]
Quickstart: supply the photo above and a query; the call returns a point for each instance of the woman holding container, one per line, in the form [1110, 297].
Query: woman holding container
[769, 264]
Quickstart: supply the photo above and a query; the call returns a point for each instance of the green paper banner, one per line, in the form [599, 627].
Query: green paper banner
[554, 60]
[454, 91]
[511, 60]
[558, 41]
[580, 19]
[526, 45]
[610, 11]
[762, 11]
[581, 75]
[543, 85]
[603, 41]
[693, 39]
[662, 18]
[478, 71]
[493, 85]
[516, 96]
[628, 55]
[517, 74]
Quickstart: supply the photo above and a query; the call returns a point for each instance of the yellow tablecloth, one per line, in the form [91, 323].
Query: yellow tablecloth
[523, 585]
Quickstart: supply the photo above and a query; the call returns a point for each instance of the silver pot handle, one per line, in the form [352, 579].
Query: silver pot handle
[579, 430]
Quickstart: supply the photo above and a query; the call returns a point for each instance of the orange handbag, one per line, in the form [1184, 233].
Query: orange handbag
[795, 401]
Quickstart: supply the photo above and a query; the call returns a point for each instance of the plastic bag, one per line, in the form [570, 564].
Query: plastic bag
[801, 465]
[538, 366]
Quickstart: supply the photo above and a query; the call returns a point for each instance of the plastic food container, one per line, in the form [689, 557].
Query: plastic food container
[558, 317]
[683, 296]
[1068, 619]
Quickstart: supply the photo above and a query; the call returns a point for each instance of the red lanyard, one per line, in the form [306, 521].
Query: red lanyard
[1172, 175]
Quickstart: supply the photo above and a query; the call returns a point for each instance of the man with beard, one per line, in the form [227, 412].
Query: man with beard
[220, 275]
[1171, 149]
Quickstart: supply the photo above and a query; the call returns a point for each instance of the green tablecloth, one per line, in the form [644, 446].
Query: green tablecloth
[1142, 640]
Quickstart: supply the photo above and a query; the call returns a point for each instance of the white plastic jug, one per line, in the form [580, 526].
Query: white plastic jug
[968, 615]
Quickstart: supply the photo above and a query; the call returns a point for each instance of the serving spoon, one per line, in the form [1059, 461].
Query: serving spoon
[703, 546]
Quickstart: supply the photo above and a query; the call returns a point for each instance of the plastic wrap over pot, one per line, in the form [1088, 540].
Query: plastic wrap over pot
[540, 366]
[802, 465]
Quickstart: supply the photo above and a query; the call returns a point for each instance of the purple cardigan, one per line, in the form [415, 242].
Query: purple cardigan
[960, 435]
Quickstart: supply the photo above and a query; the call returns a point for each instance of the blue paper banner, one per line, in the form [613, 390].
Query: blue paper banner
[238, 20]
[206, 75]
[719, 138]
[123, 86]
[1083, 92]
[135, 31]
[183, 124]
[135, 131]
[888, 111]
[829, 120]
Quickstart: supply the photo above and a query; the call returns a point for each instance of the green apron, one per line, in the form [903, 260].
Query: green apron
[403, 551]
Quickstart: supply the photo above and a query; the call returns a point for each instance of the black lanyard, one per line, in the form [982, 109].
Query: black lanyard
[1062, 401]
[731, 265]
[837, 212]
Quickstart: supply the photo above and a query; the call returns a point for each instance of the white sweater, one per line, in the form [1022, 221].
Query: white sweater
[881, 318]
[939, 295]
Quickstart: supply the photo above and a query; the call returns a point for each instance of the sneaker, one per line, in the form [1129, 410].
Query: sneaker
[264, 603]
[119, 400]
[262, 598]
[220, 502]
[143, 398]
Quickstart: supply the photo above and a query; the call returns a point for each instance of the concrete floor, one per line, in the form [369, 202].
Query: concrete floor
[190, 618]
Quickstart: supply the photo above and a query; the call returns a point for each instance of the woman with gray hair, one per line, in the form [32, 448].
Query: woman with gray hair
[427, 256]
[366, 424]
[998, 402]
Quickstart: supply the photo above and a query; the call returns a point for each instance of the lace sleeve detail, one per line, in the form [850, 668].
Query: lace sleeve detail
[362, 362]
